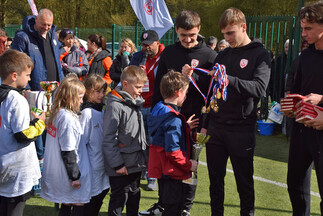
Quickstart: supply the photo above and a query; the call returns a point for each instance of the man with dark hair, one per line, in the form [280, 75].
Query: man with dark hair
[232, 125]
[151, 51]
[306, 143]
[188, 52]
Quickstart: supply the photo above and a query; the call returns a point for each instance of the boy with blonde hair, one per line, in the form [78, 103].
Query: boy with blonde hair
[19, 166]
[124, 141]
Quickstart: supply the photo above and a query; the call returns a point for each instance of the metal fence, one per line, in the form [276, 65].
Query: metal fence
[274, 31]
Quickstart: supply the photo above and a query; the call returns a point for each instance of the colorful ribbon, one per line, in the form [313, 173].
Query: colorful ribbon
[220, 84]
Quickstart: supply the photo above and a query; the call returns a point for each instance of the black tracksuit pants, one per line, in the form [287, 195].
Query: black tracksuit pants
[239, 146]
[171, 195]
[305, 147]
[124, 190]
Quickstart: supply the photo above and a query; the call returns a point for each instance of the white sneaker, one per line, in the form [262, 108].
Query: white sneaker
[152, 185]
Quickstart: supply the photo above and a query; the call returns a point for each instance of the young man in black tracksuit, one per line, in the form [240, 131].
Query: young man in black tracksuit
[188, 52]
[232, 128]
[306, 143]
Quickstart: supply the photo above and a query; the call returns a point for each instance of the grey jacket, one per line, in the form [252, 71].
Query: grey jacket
[124, 139]
[76, 61]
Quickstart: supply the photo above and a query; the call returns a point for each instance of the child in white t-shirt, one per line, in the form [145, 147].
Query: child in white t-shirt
[19, 166]
[66, 175]
[92, 125]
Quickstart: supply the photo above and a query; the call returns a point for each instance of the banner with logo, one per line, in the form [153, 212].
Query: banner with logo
[153, 15]
[33, 7]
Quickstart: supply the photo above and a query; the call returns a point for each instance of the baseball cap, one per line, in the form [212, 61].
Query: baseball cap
[149, 37]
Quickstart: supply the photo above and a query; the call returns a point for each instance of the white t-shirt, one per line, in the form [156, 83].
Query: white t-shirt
[65, 135]
[19, 166]
[92, 124]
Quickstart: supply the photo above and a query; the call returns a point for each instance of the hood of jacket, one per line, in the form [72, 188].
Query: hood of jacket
[121, 96]
[101, 55]
[28, 26]
[4, 91]
[164, 112]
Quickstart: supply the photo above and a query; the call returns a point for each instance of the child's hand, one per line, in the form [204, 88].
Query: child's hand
[122, 171]
[187, 70]
[203, 131]
[41, 117]
[143, 67]
[192, 123]
[76, 184]
[194, 165]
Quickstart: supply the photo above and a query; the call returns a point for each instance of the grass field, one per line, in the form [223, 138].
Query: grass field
[271, 197]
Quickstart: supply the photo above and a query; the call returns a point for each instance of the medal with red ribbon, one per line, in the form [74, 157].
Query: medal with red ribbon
[219, 89]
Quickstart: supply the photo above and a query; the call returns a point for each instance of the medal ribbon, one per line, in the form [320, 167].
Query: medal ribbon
[222, 83]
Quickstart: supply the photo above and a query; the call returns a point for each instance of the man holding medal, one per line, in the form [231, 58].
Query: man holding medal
[244, 69]
[189, 52]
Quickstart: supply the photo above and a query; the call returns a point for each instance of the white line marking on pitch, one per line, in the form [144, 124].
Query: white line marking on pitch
[266, 180]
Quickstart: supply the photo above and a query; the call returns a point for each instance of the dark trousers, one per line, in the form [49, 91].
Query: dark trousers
[124, 190]
[13, 206]
[239, 146]
[93, 207]
[305, 147]
[189, 195]
[71, 210]
[171, 193]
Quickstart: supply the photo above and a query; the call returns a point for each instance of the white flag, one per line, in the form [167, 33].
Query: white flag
[153, 15]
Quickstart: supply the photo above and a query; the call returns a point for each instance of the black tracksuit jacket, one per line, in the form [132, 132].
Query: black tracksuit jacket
[247, 83]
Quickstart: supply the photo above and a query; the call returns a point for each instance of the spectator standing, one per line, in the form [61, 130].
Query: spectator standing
[9, 42]
[232, 126]
[72, 59]
[211, 42]
[3, 40]
[222, 45]
[38, 39]
[122, 60]
[100, 60]
[151, 49]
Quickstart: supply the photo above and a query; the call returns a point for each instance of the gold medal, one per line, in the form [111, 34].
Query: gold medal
[216, 108]
[204, 110]
[218, 95]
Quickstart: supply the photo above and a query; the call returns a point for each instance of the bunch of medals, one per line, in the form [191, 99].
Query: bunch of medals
[219, 88]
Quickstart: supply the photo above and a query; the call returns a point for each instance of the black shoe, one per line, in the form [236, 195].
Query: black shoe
[156, 209]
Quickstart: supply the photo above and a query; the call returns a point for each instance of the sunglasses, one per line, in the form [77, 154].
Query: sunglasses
[69, 32]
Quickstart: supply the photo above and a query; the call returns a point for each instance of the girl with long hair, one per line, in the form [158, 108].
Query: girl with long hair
[66, 172]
